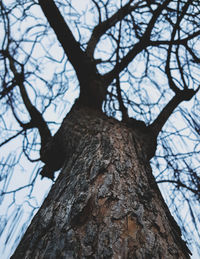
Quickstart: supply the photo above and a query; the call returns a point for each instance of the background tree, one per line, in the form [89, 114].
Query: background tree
[136, 61]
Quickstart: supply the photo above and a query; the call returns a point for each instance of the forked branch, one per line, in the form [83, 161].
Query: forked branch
[181, 95]
[72, 49]
[37, 120]
[143, 43]
[102, 27]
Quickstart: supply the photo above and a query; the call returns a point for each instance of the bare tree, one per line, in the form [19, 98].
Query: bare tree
[134, 64]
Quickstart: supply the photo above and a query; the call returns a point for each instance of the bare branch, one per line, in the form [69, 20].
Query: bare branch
[181, 41]
[172, 84]
[102, 27]
[9, 139]
[138, 47]
[72, 48]
[36, 117]
[119, 92]
[184, 95]
[180, 184]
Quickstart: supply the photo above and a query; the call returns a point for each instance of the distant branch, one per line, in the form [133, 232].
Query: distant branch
[18, 189]
[179, 184]
[172, 84]
[182, 41]
[9, 139]
[7, 90]
[102, 27]
[195, 58]
[138, 47]
[119, 92]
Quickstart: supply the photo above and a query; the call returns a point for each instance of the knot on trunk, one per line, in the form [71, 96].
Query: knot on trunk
[144, 136]
[53, 155]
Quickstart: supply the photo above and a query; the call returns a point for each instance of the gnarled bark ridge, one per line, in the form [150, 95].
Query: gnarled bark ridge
[105, 203]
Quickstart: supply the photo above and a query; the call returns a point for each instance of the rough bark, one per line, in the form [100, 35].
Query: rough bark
[105, 203]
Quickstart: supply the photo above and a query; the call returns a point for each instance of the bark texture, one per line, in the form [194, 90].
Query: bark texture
[105, 203]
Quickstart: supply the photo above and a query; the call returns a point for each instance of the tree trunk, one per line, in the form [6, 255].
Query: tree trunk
[105, 203]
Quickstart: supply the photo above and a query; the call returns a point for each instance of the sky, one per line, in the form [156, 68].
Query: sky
[19, 212]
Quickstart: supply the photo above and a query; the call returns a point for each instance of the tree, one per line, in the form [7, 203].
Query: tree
[127, 59]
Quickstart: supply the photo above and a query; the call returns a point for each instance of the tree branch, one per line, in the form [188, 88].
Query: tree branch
[184, 95]
[118, 88]
[12, 137]
[179, 184]
[102, 27]
[172, 84]
[76, 55]
[7, 90]
[37, 120]
[138, 47]
[195, 58]
[182, 41]
[36, 117]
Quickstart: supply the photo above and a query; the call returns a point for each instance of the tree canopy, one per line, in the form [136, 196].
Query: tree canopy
[134, 60]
